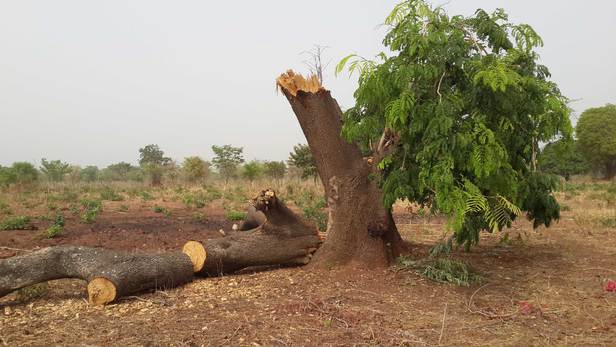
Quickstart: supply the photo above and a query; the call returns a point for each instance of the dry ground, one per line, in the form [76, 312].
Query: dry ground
[543, 287]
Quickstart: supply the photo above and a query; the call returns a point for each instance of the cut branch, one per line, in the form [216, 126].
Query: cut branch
[282, 238]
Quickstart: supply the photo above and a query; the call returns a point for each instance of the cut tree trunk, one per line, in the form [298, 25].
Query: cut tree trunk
[110, 274]
[281, 238]
[360, 229]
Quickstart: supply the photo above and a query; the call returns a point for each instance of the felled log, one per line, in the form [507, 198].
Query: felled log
[281, 238]
[110, 274]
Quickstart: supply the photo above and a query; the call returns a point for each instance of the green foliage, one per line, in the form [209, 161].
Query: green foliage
[252, 170]
[195, 168]
[108, 193]
[302, 158]
[562, 158]
[56, 228]
[199, 216]
[160, 209]
[20, 173]
[235, 215]
[226, 160]
[90, 173]
[15, 223]
[275, 169]
[145, 195]
[91, 210]
[153, 161]
[121, 171]
[315, 211]
[596, 133]
[55, 170]
[464, 102]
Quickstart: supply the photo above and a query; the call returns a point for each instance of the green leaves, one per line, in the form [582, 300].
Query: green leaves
[468, 101]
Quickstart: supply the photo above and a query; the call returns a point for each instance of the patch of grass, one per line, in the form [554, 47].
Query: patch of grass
[564, 207]
[5, 208]
[16, 223]
[145, 195]
[108, 193]
[233, 215]
[56, 228]
[609, 222]
[160, 209]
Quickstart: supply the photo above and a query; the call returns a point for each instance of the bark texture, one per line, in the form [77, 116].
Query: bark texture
[282, 238]
[360, 229]
[128, 272]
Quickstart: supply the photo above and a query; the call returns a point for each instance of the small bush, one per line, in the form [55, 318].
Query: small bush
[56, 228]
[91, 209]
[16, 223]
[199, 217]
[315, 212]
[235, 215]
[109, 194]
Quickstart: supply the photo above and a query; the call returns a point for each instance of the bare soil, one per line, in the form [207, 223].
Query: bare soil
[542, 287]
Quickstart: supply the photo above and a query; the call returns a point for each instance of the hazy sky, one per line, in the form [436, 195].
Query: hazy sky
[89, 82]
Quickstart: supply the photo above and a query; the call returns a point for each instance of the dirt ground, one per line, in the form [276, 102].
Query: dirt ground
[543, 287]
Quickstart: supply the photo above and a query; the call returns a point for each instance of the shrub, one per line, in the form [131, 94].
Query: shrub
[199, 216]
[16, 223]
[91, 209]
[56, 228]
[24, 173]
[55, 170]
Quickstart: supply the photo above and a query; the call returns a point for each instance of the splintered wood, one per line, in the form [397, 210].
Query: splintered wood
[292, 83]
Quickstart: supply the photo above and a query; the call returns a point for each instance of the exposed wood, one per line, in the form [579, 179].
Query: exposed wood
[282, 239]
[125, 272]
[360, 230]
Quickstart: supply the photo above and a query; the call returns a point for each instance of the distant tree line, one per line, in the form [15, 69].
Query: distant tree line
[591, 151]
[228, 163]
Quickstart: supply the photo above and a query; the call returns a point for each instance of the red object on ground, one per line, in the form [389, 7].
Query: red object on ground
[610, 286]
[526, 307]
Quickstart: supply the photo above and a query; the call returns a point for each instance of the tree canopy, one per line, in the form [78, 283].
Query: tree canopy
[453, 116]
[226, 160]
[195, 168]
[55, 170]
[562, 157]
[152, 159]
[302, 158]
[596, 133]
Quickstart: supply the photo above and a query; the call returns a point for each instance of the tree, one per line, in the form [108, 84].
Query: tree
[7, 177]
[562, 157]
[596, 133]
[195, 168]
[252, 170]
[153, 161]
[226, 160]
[302, 158]
[55, 170]
[448, 120]
[24, 173]
[117, 172]
[90, 173]
[275, 169]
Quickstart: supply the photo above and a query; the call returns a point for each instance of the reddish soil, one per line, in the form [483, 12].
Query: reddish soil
[543, 287]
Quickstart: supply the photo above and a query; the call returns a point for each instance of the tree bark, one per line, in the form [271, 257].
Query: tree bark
[279, 238]
[282, 238]
[360, 229]
[111, 274]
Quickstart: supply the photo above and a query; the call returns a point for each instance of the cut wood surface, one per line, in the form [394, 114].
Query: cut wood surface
[281, 238]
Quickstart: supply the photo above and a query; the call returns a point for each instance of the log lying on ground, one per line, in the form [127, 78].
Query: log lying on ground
[110, 274]
[281, 238]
